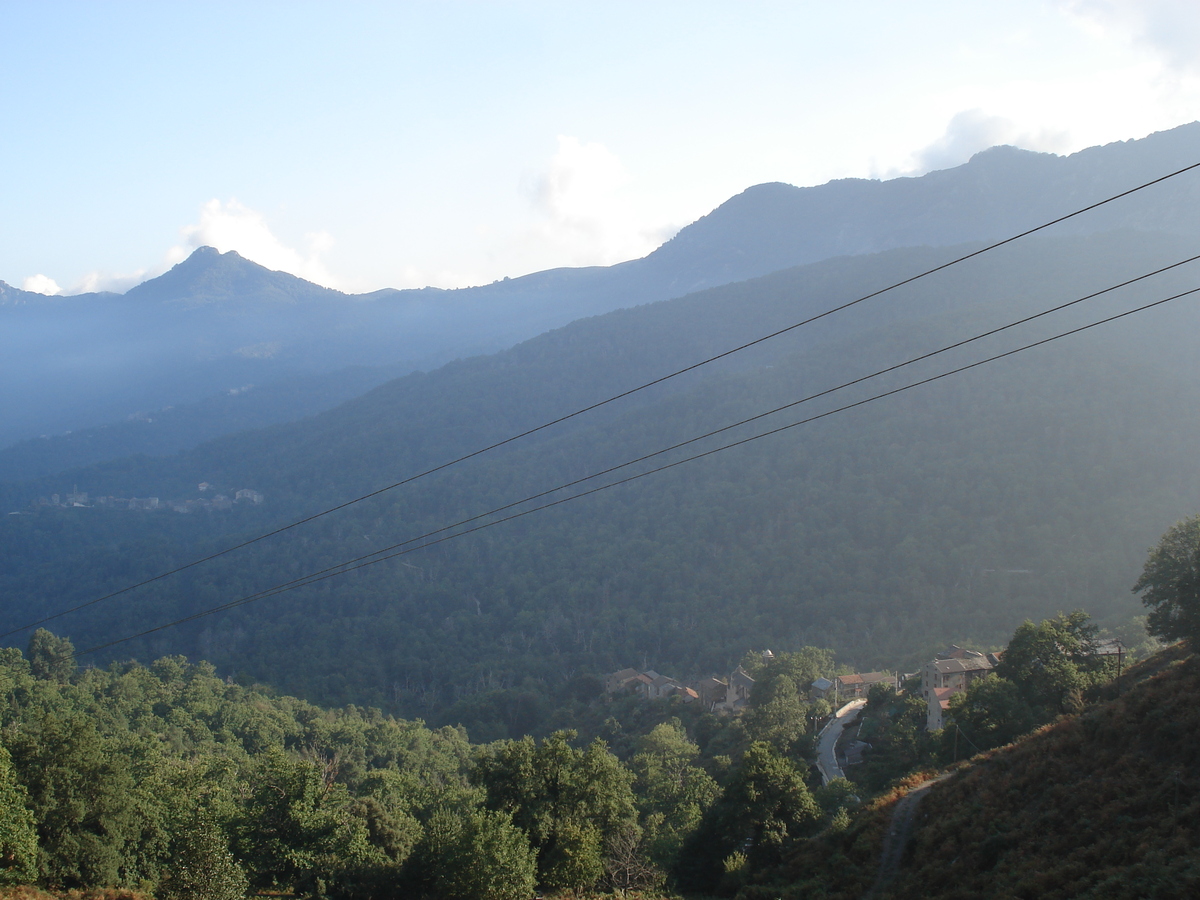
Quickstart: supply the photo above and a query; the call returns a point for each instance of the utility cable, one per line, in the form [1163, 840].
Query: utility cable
[347, 567]
[754, 418]
[601, 403]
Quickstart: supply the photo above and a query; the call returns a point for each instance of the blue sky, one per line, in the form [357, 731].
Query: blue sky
[366, 145]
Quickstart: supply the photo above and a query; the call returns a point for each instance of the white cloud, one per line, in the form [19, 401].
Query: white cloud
[586, 214]
[225, 226]
[233, 226]
[972, 130]
[579, 188]
[40, 284]
[108, 281]
[1168, 28]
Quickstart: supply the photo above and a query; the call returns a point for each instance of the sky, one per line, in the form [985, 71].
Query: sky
[367, 145]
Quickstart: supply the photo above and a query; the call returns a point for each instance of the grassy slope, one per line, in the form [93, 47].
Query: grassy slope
[1105, 804]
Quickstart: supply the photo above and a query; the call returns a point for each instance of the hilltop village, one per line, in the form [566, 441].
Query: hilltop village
[210, 499]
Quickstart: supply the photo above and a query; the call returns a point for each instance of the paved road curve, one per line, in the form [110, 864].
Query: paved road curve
[828, 739]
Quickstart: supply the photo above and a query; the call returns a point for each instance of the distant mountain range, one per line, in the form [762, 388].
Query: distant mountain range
[255, 347]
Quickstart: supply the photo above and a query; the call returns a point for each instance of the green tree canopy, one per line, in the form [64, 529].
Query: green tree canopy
[202, 868]
[51, 657]
[18, 840]
[991, 712]
[568, 800]
[1053, 662]
[764, 809]
[1170, 583]
[673, 793]
[476, 854]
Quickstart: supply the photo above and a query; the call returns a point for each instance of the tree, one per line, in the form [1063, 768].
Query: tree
[91, 816]
[1170, 583]
[569, 801]
[50, 657]
[764, 810]
[672, 792]
[18, 840]
[297, 830]
[780, 721]
[801, 669]
[476, 854]
[1053, 662]
[991, 712]
[202, 868]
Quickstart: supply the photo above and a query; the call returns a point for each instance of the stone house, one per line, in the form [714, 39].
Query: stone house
[950, 673]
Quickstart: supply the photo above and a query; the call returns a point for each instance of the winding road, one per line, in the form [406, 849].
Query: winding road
[900, 829]
[828, 739]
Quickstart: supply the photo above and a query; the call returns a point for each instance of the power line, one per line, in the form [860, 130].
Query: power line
[757, 417]
[364, 562]
[601, 403]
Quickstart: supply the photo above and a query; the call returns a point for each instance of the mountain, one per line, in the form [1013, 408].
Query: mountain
[953, 511]
[999, 192]
[217, 322]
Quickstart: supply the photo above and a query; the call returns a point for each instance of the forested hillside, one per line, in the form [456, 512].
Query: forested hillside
[1102, 804]
[168, 780]
[953, 511]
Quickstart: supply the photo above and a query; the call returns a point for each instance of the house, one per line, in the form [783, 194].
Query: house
[619, 680]
[938, 705]
[847, 687]
[247, 494]
[820, 689]
[662, 686]
[712, 690]
[689, 695]
[951, 672]
[644, 683]
[737, 692]
[740, 686]
[715, 693]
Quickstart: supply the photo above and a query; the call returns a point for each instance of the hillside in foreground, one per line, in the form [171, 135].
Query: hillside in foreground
[1103, 804]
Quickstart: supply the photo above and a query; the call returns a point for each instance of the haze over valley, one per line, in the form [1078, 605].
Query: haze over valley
[690, 564]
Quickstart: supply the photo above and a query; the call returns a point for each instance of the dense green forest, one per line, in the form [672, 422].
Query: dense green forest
[170, 780]
[952, 512]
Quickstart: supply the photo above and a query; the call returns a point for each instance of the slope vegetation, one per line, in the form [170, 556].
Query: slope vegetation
[1102, 804]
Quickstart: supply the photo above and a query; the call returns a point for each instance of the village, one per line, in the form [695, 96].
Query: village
[949, 673]
[844, 696]
[78, 499]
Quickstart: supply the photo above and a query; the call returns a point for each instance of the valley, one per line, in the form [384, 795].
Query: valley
[465, 594]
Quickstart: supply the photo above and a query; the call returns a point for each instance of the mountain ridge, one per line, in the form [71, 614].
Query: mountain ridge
[217, 321]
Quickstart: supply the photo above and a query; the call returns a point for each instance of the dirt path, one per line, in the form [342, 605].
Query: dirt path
[897, 837]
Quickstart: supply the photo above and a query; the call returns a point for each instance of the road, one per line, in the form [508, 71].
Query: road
[897, 836]
[828, 739]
